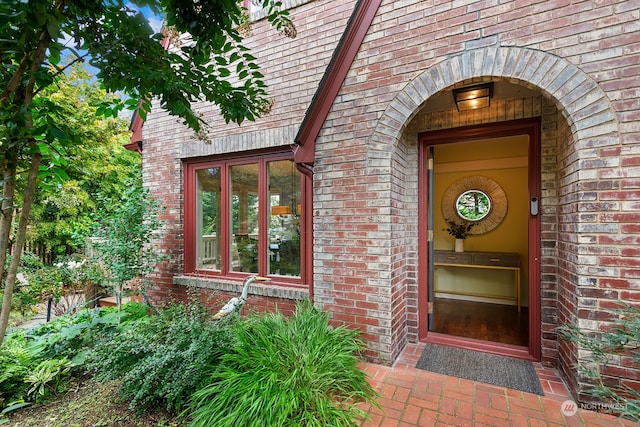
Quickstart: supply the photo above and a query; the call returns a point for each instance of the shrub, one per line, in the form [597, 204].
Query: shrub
[25, 297]
[72, 335]
[49, 376]
[298, 371]
[16, 360]
[164, 360]
[620, 341]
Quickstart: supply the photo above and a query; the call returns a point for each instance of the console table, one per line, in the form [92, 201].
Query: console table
[489, 260]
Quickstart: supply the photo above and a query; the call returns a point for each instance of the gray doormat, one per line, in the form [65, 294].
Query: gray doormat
[482, 367]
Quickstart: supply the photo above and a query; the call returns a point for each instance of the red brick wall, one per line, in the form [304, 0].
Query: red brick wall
[296, 66]
[580, 57]
[587, 72]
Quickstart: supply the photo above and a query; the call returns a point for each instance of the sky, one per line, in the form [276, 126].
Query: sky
[154, 20]
[156, 24]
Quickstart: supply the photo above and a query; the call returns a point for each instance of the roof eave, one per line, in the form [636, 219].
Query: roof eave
[334, 76]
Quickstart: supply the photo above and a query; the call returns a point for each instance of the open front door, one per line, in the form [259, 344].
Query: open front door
[486, 297]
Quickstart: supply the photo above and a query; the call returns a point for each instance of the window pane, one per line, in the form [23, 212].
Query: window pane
[244, 218]
[284, 218]
[208, 219]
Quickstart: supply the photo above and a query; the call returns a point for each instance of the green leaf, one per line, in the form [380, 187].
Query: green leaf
[59, 134]
[15, 405]
[43, 148]
[53, 28]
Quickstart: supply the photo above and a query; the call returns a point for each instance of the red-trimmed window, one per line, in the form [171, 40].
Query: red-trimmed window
[244, 216]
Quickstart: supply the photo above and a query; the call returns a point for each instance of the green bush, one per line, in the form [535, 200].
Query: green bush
[38, 363]
[286, 372]
[164, 360]
[16, 360]
[25, 297]
[621, 340]
[72, 335]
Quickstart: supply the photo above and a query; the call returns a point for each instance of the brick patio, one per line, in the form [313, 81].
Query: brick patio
[413, 397]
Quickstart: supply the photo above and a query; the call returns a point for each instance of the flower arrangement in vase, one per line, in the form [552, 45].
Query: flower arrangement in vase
[460, 231]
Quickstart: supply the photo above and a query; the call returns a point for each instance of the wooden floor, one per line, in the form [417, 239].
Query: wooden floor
[483, 321]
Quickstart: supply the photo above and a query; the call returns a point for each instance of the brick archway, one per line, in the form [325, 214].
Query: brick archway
[591, 124]
[583, 103]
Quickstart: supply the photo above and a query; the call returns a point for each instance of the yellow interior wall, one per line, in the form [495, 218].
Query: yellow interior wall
[511, 235]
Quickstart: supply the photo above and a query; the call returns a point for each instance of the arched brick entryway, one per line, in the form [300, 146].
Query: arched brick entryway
[590, 127]
[582, 102]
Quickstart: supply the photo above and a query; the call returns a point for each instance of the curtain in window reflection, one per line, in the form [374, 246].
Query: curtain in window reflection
[284, 218]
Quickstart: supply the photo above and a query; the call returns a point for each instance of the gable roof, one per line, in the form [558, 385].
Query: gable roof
[135, 141]
[330, 84]
[137, 122]
[336, 72]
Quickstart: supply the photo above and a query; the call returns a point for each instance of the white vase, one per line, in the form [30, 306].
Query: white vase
[459, 245]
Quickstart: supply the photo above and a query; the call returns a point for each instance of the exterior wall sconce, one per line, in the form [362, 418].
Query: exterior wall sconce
[473, 97]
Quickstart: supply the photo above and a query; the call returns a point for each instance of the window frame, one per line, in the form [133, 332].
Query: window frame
[190, 216]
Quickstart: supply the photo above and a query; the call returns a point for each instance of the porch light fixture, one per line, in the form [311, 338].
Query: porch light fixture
[473, 97]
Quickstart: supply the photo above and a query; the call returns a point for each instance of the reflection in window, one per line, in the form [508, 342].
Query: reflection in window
[244, 218]
[473, 205]
[284, 218]
[208, 218]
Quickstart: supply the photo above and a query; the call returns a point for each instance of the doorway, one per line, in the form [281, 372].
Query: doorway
[485, 180]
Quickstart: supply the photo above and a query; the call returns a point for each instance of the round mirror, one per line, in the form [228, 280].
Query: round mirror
[473, 205]
[478, 199]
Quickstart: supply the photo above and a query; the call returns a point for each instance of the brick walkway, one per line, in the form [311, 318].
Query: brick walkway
[413, 397]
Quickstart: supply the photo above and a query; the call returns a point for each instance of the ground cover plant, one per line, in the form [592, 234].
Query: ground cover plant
[262, 370]
[39, 364]
[618, 345]
[296, 371]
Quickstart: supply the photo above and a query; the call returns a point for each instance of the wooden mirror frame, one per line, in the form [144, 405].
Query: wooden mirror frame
[486, 185]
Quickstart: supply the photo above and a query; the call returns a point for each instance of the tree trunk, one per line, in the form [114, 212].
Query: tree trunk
[10, 279]
[29, 195]
[6, 220]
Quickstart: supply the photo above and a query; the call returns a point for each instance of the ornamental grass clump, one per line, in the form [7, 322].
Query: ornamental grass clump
[296, 371]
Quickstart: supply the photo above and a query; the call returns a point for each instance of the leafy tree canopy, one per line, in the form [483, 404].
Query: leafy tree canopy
[115, 38]
[96, 168]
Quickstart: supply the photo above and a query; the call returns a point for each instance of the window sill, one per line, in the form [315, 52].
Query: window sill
[261, 289]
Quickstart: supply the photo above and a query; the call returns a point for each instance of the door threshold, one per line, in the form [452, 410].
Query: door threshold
[508, 350]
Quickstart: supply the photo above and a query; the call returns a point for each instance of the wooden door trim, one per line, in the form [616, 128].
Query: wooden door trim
[530, 127]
